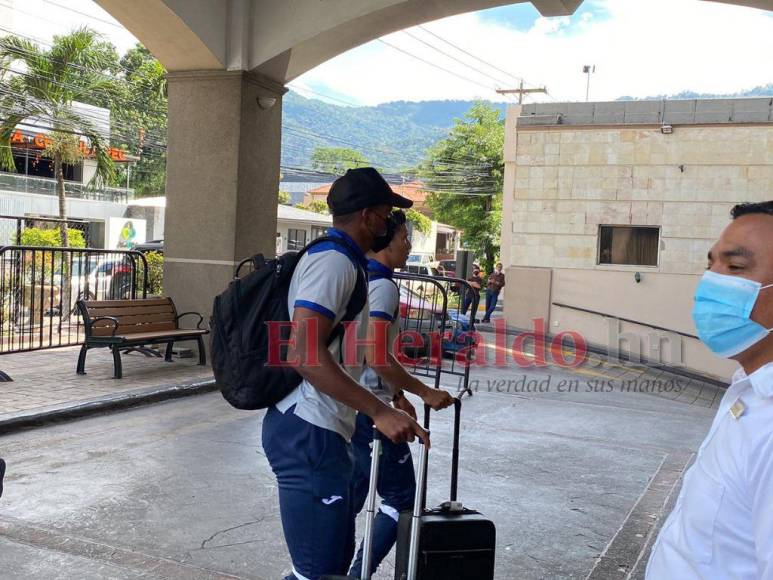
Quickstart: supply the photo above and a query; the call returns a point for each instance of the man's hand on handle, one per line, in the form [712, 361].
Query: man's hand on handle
[398, 426]
[437, 398]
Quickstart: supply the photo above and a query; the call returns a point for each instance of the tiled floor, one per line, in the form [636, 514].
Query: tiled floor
[46, 379]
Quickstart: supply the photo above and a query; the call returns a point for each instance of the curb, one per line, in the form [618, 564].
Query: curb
[110, 404]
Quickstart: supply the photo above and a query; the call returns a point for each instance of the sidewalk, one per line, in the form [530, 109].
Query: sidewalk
[45, 383]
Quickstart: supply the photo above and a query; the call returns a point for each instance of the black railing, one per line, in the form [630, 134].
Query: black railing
[47, 186]
[40, 286]
[628, 320]
[432, 309]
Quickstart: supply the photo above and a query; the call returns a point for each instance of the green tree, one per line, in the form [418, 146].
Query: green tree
[317, 206]
[140, 120]
[337, 160]
[465, 174]
[284, 198]
[419, 221]
[73, 69]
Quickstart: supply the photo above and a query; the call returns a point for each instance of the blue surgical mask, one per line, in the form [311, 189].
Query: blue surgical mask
[722, 313]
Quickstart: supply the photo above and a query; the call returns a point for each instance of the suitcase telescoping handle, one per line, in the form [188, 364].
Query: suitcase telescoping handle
[418, 510]
[454, 456]
[370, 506]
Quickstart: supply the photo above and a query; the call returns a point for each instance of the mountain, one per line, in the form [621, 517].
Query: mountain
[761, 91]
[392, 136]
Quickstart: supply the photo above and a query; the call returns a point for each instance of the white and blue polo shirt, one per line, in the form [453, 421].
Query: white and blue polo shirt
[384, 304]
[324, 281]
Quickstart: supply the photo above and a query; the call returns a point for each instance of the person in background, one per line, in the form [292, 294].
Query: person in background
[496, 281]
[722, 524]
[472, 297]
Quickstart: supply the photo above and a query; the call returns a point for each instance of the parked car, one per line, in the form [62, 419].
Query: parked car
[97, 278]
[151, 246]
[447, 268]
[419, 260]
[421, 269]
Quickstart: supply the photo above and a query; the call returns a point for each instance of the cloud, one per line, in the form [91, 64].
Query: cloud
[639, 47]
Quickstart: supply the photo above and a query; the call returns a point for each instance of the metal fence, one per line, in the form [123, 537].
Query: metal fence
[40, 286]
[12, 228]
[438, 337]
[44, 186]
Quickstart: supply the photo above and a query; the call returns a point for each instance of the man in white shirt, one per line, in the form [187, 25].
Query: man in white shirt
[306, 436]
[722, 525]
[387, 379]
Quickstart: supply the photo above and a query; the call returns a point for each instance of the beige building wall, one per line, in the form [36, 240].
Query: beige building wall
[562, 182]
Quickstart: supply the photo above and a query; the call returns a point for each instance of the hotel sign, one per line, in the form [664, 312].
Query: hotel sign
[41, 141]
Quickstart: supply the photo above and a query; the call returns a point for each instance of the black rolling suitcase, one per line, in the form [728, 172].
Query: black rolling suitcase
[449, 542]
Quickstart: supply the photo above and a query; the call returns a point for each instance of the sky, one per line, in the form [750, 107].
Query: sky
[639, 48]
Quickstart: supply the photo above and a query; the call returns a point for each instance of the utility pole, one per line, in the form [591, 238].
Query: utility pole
[521, 92]
[588, 69]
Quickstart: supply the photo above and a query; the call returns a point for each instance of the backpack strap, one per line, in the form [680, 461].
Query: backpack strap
[356, 303]
[360, 295]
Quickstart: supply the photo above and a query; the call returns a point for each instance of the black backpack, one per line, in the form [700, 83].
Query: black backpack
[240, 334]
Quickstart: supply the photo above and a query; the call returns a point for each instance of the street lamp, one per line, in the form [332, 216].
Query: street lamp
[588, 69]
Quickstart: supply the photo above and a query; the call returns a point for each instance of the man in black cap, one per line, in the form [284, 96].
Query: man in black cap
[307, 435]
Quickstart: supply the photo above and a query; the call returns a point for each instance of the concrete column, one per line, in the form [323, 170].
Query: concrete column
[222, 180]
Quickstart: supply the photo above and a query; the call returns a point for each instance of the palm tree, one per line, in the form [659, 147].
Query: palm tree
[39, 86]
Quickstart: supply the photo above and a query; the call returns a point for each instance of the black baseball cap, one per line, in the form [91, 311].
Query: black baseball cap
[362, 188]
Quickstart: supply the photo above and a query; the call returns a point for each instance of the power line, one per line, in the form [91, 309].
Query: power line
[86, 114]
[72, 65]
[149, 155]
[90, 16]
[517, 78]
[453, 57]
[304, 132]
[434, 65]
[460, 49]
[296, 88]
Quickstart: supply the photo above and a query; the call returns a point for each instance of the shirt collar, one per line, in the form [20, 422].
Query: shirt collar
[358, 253]
[761, 380]
[378, 269]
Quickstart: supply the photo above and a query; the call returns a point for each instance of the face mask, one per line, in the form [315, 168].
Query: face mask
[381, 242]
[722, 313]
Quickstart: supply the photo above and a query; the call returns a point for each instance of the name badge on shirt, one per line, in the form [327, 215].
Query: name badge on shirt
[738, 409]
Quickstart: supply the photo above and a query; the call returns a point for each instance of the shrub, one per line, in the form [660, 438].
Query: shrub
[155, 273]
[51, 237]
